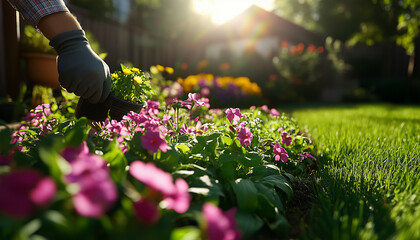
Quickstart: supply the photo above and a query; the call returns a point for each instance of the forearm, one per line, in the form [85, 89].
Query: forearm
[56, 23]
[52, 15]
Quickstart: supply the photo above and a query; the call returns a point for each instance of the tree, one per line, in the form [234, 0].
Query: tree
[357, 20]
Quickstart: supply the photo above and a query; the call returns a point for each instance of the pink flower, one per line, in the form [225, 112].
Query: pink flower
[205, 91]
[264, 108]
[23, 191]
[73, 153]
[285, 138]
[204, 102]
[180, 200]
[174, 195]
[245, 136]
[193, 99]
[304, 155]
[233, 115]
[153, 177]
[280, 153]
[97, 193]
[219, 225]
[146, 211]
[153, 140]
[152, 107]
[274, 112]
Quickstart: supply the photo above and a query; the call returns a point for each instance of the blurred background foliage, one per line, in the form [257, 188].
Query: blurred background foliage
[371, 49]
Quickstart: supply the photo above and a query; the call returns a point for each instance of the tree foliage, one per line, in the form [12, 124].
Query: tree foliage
[357, 21]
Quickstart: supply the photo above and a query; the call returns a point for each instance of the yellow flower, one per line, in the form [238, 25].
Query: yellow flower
[127, 71]
[136, 70]
[154, 70]
[169, 70]
[160, 68]
[202, 64]
[114, 75]
[138, 80]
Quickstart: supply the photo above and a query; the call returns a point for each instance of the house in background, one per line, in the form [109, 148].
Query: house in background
[259, 30]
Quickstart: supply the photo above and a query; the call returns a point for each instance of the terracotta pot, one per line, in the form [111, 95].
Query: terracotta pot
[41, 69]
[114, 106]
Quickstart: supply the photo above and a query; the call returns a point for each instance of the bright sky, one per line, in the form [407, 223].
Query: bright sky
[223, 10]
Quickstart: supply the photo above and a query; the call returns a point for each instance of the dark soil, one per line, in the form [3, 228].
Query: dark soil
[298, 209]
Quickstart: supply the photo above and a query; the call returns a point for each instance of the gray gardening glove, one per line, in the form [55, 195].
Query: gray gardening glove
[80, 69]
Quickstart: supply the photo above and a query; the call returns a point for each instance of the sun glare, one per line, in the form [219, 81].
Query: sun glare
[221, 11]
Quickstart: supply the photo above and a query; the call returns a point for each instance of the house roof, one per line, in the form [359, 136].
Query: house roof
[256, 22]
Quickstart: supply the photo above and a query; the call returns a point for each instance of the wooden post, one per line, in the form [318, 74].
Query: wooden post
[11, 35]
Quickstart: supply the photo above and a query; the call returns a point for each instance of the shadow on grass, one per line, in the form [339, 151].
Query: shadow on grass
[345, 208]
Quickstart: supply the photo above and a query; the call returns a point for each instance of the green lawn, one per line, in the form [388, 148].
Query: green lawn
[368, 182]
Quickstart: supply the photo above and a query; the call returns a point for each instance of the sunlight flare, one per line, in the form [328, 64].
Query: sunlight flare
[221, 11]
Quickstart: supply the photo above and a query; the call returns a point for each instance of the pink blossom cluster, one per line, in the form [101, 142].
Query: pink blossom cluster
[23, 191]
[273, 112]
[280, 153]
[38, 117]
[161, 191]
[194, 100]
[234, 116]
[146, 122]
[285, 137]
[244, 134]
[97, 192]
[305, 155]
[199, 128]
[219, 225]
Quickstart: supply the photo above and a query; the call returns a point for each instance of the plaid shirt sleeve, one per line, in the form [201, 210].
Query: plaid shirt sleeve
[34, 10]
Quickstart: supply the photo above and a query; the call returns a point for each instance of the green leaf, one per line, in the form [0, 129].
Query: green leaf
[58, 165]
[75, 135]
[271, 195]
[186, 233]
[246, 194]
[117, 162]
[261, 171]
[225, 140]
[248, 224]
[250, 159]
[279, 182]
[228, 166]
[280, 225]
[30, 228]
[183, 148]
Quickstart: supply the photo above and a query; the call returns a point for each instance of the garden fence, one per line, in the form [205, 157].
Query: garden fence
[123, 42]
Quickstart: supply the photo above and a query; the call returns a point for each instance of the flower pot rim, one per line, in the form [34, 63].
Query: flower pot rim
[115, 98]
[39, 55]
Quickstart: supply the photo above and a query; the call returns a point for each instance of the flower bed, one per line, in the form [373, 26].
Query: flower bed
[166, 172]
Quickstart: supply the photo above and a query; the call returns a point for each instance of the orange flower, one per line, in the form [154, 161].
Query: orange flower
[284, 44]
[311, 48]
[184, 66]
[320, 49]
[202, 65]
[272, 77]
[224, 66]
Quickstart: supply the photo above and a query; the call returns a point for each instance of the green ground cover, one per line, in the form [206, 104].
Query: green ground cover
[368, 182]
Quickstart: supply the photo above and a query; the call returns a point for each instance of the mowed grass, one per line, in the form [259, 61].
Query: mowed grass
[368, 182]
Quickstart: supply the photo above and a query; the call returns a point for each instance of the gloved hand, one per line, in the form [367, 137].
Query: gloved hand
[80, 69]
